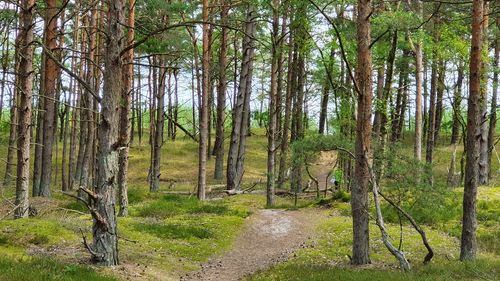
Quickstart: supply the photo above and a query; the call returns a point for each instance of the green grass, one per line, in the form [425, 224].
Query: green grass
[46, 269]
[482, 269]
[172, 234]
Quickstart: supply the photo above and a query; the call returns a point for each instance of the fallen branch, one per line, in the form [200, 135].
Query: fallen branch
[400, 256]
[10, 212]
[430, 253]
[181, 127]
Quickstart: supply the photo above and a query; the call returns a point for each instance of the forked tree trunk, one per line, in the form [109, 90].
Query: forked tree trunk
[242, 105]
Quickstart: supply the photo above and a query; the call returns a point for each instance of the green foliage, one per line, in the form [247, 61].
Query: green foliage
[307, 149]
[341, 195]
[46, 269]
[171, 205]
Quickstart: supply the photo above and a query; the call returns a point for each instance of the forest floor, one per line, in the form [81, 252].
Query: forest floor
[270, 236]
[171, 235]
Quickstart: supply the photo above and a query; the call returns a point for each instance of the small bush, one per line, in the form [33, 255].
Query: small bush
[342, 195]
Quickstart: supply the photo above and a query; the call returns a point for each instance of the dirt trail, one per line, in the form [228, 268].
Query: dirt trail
[269, 237]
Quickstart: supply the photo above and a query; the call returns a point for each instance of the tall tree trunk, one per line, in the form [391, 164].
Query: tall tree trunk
[49, 91]
[158, 127]
[104, 248]
[431, 128]
[297, 130]
[468, 246]
[125, 108]
[290, 89]
[24, 46]
[221, 95]
[241, 109]
[483, 141]
[493, 108]
[204, 122]
[273, 94]
[359, 201]
[11, 150]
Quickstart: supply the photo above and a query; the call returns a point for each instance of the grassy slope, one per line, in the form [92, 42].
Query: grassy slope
[172, 234]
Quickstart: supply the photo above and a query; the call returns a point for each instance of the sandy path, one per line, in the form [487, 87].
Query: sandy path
[270, 236]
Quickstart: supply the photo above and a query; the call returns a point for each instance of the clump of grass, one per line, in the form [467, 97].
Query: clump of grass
[35, 231]
[175, 231]
[171, 205]
[45, 269]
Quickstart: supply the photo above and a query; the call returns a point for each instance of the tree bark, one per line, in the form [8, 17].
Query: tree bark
[359, 201]
[493, 107]
[457, 100]
[221, 95]
[204, 118]
[468, 246]
[273, 94]
[242, 105]
[24, 46]
[49, 91]
[158, 127]
[125, 110]
[483, 141]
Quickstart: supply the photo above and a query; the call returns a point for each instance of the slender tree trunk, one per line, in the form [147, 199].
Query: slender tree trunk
[49, 91]
[273, 94]
[325, 96]
[378, 100]
[204, 122]
[24, 45]
[158, 128]
[457, 100]
[439, 99]
[431, 128]
[125, 108]
[221, 96]
[493, 108]
[468, 246]
[290, 88]
[11, 150]
[240, 112]
[359, 201]
[483, 141]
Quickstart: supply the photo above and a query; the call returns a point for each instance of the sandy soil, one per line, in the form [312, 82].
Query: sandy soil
[269, 237]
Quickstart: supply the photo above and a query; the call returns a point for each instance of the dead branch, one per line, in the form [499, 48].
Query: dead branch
[430, 253]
